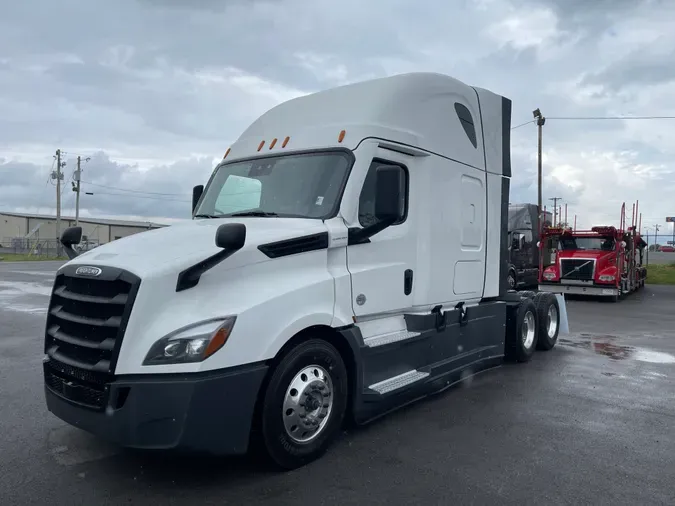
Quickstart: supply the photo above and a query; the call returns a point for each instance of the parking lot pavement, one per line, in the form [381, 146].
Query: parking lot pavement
[590, 422]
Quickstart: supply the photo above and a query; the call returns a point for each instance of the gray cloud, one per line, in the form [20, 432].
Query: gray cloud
[167, 85]
[642, 67]
[118, 189]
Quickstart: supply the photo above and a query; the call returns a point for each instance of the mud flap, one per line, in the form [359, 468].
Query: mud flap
[564, 323]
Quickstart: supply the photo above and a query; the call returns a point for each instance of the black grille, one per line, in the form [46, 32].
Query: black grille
[86, 321]
[89, 395]
[578, 269]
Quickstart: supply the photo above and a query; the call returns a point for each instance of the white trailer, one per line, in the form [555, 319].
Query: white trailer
[348, 256]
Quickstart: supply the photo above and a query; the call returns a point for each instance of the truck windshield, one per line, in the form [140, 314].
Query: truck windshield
[586, 243]
[300, 185]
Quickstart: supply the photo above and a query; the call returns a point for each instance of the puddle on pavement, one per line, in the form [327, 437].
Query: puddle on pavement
[602, 344]
[18, 296]
[17, 288]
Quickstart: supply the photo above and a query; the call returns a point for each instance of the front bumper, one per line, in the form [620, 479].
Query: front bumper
[204, 412]
[596, 290]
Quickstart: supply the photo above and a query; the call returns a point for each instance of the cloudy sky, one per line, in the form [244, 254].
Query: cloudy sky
[154, 91]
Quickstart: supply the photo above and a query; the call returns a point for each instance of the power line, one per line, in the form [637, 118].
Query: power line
[523, 124]
[584, 118]
[595, 118]
[134, 191]
[137, 196]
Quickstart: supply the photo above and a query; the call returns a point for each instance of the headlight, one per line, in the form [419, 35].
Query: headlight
[549, 275]
[193, 343]
[607, 277]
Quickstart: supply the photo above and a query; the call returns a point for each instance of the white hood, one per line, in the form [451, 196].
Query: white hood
[184, 244]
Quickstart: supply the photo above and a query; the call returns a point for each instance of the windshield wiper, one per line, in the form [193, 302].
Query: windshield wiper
[261, 214]
[206, 216]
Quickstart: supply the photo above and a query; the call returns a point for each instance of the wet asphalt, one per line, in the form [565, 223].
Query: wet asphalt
[590, 422]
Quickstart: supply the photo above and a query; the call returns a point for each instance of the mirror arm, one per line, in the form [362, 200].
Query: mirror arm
[359, 235]
[70, 252]
[189, 278]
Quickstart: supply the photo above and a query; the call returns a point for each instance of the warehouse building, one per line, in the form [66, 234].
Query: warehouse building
[17, 228]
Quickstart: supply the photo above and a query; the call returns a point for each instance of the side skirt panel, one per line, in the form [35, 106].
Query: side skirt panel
[442, 351]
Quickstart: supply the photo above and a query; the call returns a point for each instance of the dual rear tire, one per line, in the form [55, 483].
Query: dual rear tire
[532, 325]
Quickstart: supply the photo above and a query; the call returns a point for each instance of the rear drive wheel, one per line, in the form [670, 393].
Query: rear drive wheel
[304, 404]
[528, 294]
[522, 331]
[548, 316]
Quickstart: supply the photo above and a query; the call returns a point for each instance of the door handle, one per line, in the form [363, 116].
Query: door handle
[407, 281]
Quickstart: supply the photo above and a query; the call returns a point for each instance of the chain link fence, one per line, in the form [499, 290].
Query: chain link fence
[45, 248]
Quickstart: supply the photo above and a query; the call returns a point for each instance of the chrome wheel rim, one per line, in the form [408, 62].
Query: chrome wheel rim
[527, 330]
[308, 404]
[552, 321]
[511, 281]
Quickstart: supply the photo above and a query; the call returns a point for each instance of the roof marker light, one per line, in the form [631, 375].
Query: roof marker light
[283, 145]
[341, 137]
[260, 146]
[227, 153]
[274, 141]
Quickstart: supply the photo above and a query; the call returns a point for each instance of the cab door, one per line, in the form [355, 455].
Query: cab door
[382, 268]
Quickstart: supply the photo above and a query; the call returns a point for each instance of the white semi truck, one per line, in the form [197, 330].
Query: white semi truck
[347, 256]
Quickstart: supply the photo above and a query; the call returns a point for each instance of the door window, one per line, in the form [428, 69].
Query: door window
[367, 198]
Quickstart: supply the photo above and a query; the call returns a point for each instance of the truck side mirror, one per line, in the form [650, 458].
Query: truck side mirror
[231, 236]
[388, 193]
[515, 241]
[70, 237]
[196, 195]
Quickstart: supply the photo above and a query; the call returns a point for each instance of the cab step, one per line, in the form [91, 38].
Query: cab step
[392, 337]
[398, 382]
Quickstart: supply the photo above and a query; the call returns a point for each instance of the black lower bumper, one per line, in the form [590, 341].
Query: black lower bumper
[195, 412]
[586, 289]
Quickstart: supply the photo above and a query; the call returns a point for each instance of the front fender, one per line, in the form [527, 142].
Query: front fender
[271, 300]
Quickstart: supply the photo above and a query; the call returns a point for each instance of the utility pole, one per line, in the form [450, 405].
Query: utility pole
[76, 188]
[58, 175]
[656, 235]
[540, 123]
[77, 196]
[555, 208]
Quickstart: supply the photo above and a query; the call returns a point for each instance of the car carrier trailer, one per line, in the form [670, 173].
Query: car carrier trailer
[347, 256]
[604, 261]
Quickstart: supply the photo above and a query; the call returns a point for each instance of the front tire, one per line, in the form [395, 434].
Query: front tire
[304, 404]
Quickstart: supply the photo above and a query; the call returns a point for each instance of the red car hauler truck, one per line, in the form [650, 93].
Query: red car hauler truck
[604, 261]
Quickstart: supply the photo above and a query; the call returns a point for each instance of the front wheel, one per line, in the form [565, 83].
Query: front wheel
[304, 404]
